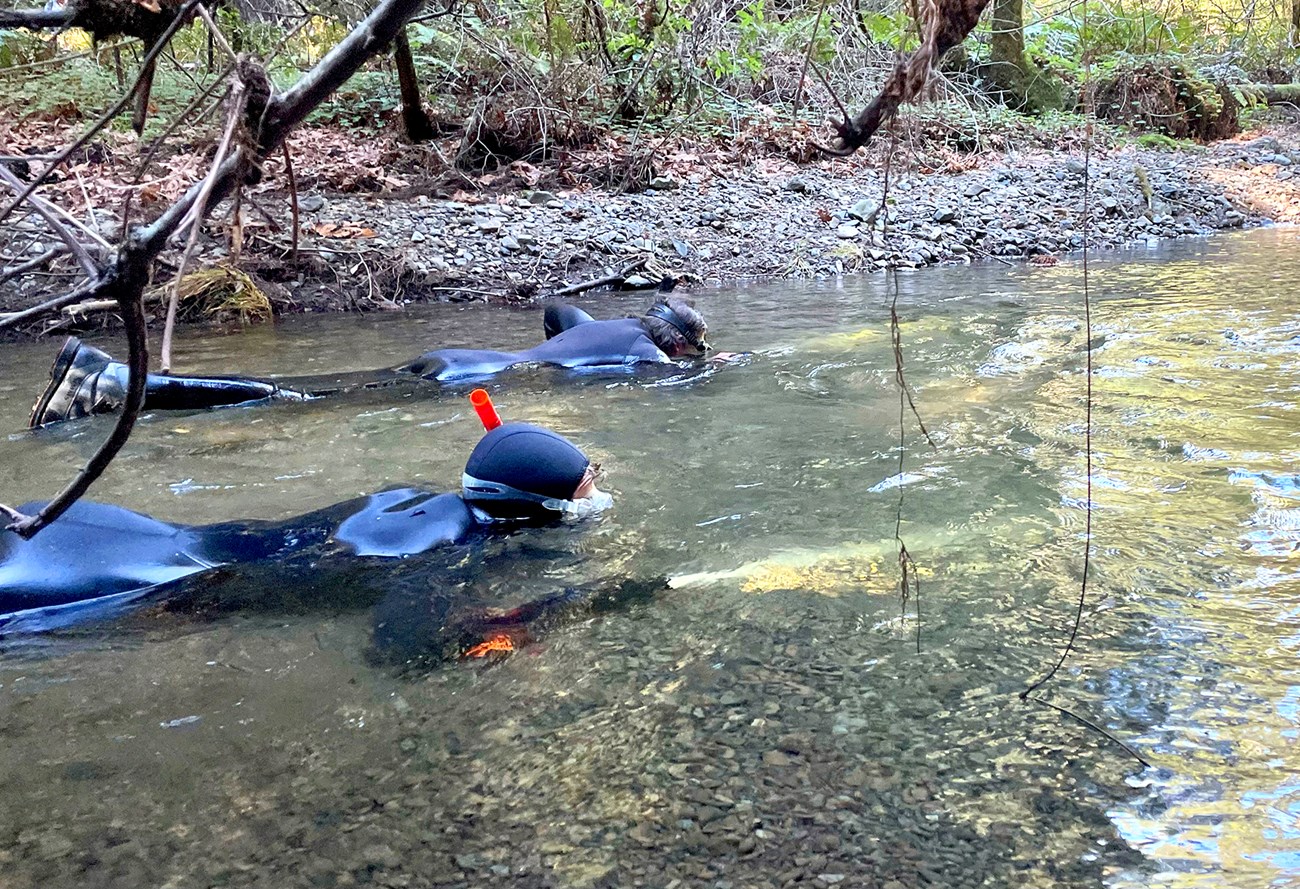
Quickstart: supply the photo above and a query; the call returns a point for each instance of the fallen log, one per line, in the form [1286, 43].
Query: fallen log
[617, 278]
[1272, 93]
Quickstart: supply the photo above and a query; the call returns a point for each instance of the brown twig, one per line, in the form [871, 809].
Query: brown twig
[1083, 720]
[807, 59]
[195, 221]
[293, 199]
[143, 166]
[616, 278]
[90, 307]
[1087, 403]
[16, 270]
[217, 36]
[13, 319]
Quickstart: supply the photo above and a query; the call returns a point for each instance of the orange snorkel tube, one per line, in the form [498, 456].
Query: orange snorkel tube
[483, 407]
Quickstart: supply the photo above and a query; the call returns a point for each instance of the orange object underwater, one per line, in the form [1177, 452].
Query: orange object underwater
[483, 407]
[496, 643]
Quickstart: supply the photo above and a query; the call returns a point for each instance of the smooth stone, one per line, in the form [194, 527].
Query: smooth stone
[775, 758]
[864, 210]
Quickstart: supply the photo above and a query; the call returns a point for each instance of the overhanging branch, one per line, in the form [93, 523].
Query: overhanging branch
[35, 19]
[946, 24]
[125, 282]
[269, 120]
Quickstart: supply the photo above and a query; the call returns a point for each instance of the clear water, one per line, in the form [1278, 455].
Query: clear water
[768, 719]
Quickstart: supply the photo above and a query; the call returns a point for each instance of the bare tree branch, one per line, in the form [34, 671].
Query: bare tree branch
[13, 319]
[946, 24]
[269, 120]
[217, 36]
[237, 100]
[145, 70]
[47, 213]
[35, 19]
[36, 262]
[286, 111]
[125, 282]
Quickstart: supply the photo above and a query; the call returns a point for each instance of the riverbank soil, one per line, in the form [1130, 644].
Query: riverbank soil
[382, 223]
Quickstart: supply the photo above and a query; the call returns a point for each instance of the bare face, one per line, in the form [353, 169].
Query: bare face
[686, 350]
[587, 487]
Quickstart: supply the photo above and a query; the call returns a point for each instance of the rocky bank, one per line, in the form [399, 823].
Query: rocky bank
[782, 220]
[717, 223]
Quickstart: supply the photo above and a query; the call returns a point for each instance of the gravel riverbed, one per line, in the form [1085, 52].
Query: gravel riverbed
[625, 754]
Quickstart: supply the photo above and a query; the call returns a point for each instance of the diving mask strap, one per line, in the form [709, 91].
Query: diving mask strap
[665, 313]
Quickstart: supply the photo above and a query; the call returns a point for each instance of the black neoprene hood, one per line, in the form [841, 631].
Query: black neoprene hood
[528, 459]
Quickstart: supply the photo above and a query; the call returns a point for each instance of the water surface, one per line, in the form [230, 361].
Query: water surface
[768, 719]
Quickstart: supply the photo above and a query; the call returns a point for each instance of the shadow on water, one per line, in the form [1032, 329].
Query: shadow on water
[765, 720]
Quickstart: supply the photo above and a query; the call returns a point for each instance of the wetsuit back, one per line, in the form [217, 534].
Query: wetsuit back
[99, 557]
[617, 343]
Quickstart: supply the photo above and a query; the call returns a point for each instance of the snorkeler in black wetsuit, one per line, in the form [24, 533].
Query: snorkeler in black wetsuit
[99, 560]
[84, 380]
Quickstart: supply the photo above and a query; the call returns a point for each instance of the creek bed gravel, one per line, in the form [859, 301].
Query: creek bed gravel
[772, 219]
[782, 221]
[788, 748]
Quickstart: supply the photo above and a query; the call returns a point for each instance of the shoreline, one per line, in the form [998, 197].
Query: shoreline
[770, 219]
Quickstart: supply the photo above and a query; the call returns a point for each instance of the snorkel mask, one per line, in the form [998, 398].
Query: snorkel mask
[669, 316]
[502, 502]
[521, 472]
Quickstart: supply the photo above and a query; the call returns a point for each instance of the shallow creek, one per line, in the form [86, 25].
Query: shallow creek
[767, 720]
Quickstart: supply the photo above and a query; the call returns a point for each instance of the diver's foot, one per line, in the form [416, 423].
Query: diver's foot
[62, 399]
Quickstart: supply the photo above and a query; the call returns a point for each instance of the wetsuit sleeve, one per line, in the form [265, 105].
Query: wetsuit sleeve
[645, 350]
[617, 343]
[457, 364]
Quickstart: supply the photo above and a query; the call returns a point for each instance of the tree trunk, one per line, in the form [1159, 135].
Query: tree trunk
[1007, 48]
[1295, 23]
[418, 126]
[1024, 86]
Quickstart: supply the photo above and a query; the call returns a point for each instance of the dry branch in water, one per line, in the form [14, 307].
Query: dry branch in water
[944, 24]
[267, 119]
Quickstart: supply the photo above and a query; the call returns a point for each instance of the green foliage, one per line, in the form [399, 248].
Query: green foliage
[364, 103]
[22, 48]
[1255, 36]
[1161, 141]
[893, 29]
[84, 88]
